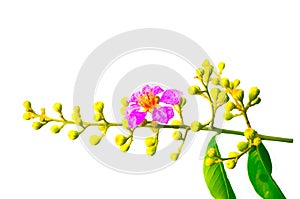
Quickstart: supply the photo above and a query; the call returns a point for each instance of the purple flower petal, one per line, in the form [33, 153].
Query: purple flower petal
[171, 96]
[136, 118]
[157, 90]
[163, 114]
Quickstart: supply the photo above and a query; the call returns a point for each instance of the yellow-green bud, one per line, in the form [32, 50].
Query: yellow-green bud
[253, 93]
[120, 139]
[27, 116]
[233, 154]
[225, 82]
[223, 97]
[230, 164]
[27, 105]
[212, 153]
[125, 123]
[99, 106]
[215, 81]
[209, 162]
[256, 141]
[124, 101]
[228, 115]
[151, 150]
[206, 63]
[196, 126]
[125, 147]
[256, 101]
[122, 110]
[37, 125]
[194, 90]
[55, 129]
[95, 139]
[208, 70]
[230, 106]
[73, 134]
[182, 102]
[150, 141]
[174, 156]
[221, 67]
[177, 135]
[242, 146]
[98, 117]
[250, 133]
[200, 72]
[57, 107]
[214, 92]
[238, 94]
[176, 122]
[76, 109]
[236, 83]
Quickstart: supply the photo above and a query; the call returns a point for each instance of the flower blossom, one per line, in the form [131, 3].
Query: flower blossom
[147, 101]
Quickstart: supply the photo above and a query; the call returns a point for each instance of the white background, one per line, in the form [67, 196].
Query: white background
[43, 45]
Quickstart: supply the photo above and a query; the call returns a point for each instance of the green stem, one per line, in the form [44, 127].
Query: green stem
[263, 137]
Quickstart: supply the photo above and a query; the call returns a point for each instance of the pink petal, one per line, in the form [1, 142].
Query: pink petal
[163, 114]
[136, 118]
[171, 96]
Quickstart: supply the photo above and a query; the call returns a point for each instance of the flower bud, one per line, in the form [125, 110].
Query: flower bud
[196, 126]
[223, 97]
[221, 67]
[256, 141]
[209, 162]
[120, 139]
[236, 83]
[27, 116]
[37, 125]
[208, 70]
[95, 139]
[124, 101]
[225, 82]
[76, 109]
[215, 81]
[242, 146]
[174, 156]
[98, 117]
[73, 134]
[212, 153]
[151, 150]
[57, 107]
[182, 102]
[150, 141]
[238, 94]
[200, 72]
[230, 106]
[123, 110]
[27, 105]
[253, 93]
[230, 164]
[228, 115]
[125, 147]
[256, 101]
[55, 129]
[125, 123]
[99, 106]
[233, 154]
[250, 133]
[214, 92]
[177, 135]
[194, 90]
[206, 63]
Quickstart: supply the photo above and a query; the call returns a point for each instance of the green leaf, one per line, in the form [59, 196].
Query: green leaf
[259, 172]
[216, 178]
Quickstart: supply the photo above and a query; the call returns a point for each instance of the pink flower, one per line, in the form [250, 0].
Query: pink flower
[148, 101]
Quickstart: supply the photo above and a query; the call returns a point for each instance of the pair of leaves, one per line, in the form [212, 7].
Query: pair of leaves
[216, 177]
[259, 172]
